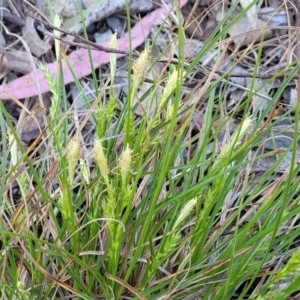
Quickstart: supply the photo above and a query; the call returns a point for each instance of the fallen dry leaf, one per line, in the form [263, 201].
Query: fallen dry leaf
[17, 61]
[93, 10]
[109, 8]
[34, 124]
[26, 86]
[36, 45]
[251, 13]
[244, 25]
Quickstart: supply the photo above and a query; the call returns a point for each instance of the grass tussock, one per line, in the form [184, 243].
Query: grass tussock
[163, 205]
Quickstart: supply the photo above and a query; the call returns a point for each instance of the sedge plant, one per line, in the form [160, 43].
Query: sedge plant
[132, 213]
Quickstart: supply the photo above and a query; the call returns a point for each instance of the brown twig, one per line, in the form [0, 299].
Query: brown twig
[276, 73]
[206, 70]
[12, 18]
[85, 43]
[296, 4]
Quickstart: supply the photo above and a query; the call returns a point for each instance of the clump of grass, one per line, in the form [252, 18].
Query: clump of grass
[139, 219]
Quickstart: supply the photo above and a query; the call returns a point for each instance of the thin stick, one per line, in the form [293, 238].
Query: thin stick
[297, 48]
[84, 41]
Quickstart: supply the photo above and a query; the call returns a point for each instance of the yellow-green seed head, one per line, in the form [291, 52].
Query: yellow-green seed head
[72, 157]
[139, 67]
[186, 210]
[171, 85]
[170, 112]
[57, 23]
[101, 160]
[237, 137]
[13, 147]
[125, 163]
[114, 42]
[73, 150]
[169, 89]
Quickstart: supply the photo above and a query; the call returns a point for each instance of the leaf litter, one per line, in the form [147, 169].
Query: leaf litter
[269, 24]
